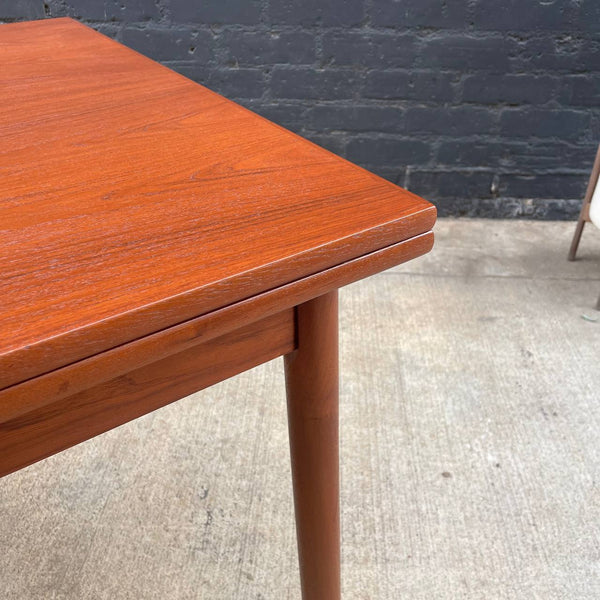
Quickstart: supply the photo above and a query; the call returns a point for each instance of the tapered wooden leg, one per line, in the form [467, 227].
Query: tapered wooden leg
[312, 393]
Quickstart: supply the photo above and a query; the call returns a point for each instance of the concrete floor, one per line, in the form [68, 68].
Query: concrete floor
[470, 420]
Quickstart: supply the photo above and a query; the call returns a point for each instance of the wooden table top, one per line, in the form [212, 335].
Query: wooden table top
[132, 199]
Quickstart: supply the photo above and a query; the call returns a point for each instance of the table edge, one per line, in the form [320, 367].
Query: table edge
[24, 396]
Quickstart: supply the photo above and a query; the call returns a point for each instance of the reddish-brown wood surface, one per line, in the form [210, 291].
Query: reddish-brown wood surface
[311, 376]
[133, 199]
[32, 394]
[76, 418]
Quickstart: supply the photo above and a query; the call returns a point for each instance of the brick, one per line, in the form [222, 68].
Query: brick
[589, 16]
[470, 207]
[340, 14]
[215, 12]
[315, 12]
[303, 83]
[486, 88]
[21, 9]
[111, 29]
[556, 53]
[350, 48]
[563, 185]
[582, 90]
[514, 15]
[237, 83]
[130, 10]
[388, 152]
[554, 209]
[424, 13]
[347, 48]
[197, 72]
[519, 156]
[588, 58]
[466, 52]
[394, 174]
[594, 126]
[459, 206]
[291, 116]
[78, 9]
[563, 124]
[409, 85]
[356, 118]
[333, 142]
[469, 153]
[231, 83]
[509, 208]
[450, 121]
[268, 48]
[169, 44]
[547, 155]
[434, 184]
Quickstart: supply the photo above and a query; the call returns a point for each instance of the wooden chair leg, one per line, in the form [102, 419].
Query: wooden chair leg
[312, 395]
[577, 236]
[585, 207]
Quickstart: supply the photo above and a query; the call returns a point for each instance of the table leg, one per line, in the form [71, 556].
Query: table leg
[312, 394]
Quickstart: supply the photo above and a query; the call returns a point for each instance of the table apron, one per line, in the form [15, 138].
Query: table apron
[61, 424]
[49, 387]
[61, 408]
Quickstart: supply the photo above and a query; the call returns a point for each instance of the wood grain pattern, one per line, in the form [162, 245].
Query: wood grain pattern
[46, 389]
[66, 422]
[133, 199]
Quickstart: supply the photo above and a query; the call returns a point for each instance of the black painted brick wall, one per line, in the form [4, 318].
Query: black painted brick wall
[486, 107]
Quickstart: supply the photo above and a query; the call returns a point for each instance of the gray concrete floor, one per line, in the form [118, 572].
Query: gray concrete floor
[470, 458]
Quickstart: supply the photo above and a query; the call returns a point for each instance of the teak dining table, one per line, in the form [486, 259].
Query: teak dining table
[157, 238]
